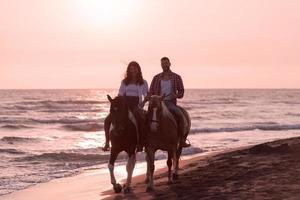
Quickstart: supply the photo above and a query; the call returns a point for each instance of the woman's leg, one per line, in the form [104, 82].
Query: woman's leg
[107, 123]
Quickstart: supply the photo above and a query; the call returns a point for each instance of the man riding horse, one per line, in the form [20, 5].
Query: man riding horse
[171, 86]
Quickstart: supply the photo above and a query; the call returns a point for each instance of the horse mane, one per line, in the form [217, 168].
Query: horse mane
[130, 117]
[167, 113]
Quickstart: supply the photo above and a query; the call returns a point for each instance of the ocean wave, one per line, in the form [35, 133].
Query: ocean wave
[12, 112]
[13, 120]
[30, 98]
[12, 151]
[56, 106]
[66, 157]
[266, 127]
[91, 127]
[24, 108]
[160, 155]
[191, 150]
[293, 114]
[71, 120]
[12, 140]
[207, 102]
[287, 102]
[62, 102]
[66, 120]
[95, 158]
[10, 126]
[71, 110]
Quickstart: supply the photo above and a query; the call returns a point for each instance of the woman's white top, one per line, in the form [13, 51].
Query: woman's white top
[134, 90]
[166, 88]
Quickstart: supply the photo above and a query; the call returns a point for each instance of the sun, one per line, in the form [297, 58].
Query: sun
[107, 12]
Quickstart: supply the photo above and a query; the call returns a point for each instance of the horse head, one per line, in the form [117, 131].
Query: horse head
[154, 111]
[118, 113]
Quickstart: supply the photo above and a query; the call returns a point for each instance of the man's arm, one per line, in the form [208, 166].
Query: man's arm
[152, 86]
[180, 88]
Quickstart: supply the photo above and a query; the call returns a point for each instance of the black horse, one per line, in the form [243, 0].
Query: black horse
[124, 137]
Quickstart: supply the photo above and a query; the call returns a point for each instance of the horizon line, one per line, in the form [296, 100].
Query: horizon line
[291, 88]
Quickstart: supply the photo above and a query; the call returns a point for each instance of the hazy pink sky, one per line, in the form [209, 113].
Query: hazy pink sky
[87, 43]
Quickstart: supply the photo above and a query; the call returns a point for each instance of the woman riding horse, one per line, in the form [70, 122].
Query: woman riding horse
[124, 124]
[134, 88]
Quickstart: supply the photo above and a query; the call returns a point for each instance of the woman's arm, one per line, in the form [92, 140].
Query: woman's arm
[122, 89]
[145, 94]
[145, 88]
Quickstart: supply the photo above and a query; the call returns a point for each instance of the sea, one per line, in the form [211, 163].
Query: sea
[48, 134]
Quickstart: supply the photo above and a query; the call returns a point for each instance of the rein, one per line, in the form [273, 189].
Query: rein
[157, 121]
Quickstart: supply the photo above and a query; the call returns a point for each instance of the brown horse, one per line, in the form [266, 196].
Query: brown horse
[163, 134]
[124, 137]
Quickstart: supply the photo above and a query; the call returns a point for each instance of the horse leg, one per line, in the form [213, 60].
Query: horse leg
[169, 163]
[113, 156]
[177, 154]
[129, 168]
[148, 170]
[150, 163]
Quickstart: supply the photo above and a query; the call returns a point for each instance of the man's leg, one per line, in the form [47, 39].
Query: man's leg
[181, 122]
[107, 122]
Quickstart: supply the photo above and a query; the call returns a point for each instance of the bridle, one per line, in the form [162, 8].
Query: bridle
[154, 120]
[157, 121]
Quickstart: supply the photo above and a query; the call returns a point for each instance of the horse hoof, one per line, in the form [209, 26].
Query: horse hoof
[170, 182]
[127, 190]
[175, 176]
[117, 188]
[149, 189]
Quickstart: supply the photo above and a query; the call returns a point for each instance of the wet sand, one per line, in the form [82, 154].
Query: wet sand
[266, 171]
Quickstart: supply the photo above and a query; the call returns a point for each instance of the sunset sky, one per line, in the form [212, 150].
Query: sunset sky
[211, 43]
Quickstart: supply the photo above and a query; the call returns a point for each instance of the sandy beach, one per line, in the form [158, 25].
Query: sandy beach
[265, 171]
[77, 75]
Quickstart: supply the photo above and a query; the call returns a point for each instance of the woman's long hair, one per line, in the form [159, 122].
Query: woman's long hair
[127, 78]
